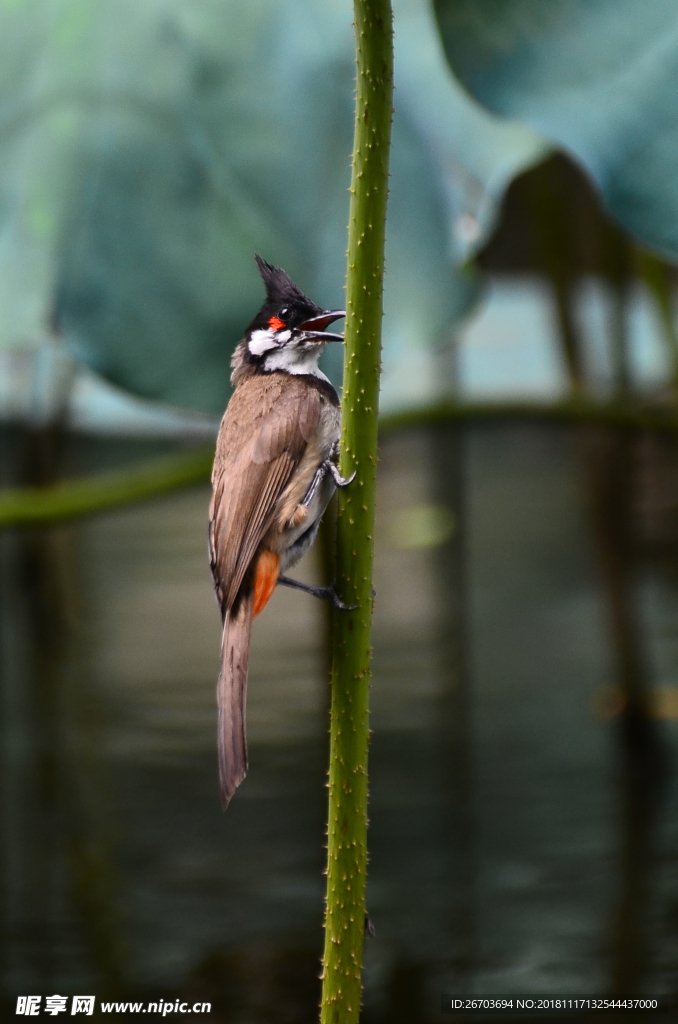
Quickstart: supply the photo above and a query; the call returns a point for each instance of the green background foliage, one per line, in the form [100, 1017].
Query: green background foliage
[597, 77]
[148, 150]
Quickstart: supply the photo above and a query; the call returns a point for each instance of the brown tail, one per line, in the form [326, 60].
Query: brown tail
[232, 698]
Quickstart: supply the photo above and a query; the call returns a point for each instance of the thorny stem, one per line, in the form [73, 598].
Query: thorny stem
[351, 646]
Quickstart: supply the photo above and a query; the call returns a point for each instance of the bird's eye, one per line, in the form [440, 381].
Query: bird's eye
[284, 312]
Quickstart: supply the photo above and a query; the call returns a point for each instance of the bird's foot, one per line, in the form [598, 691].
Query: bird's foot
[339, 480]
[332, 466]
[324, 593]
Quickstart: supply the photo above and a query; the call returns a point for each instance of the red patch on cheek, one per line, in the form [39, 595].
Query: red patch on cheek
[275, 323]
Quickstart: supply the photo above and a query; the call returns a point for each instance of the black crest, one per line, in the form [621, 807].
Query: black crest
[282, 294]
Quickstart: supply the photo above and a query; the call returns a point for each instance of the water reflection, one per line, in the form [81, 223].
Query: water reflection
[505, 856]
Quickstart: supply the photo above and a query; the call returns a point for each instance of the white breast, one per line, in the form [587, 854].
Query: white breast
[297, 360]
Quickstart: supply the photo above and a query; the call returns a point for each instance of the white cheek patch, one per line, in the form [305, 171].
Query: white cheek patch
[260, 342]
[264, 341]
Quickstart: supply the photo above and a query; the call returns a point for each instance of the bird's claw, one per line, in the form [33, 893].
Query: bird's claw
[324, 593]
[339, 480]
[337, 602]
[333, 467]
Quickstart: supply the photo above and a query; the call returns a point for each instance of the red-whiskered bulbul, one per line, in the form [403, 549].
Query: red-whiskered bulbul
[275, 469]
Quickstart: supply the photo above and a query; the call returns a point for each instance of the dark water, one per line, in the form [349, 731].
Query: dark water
[505, 852]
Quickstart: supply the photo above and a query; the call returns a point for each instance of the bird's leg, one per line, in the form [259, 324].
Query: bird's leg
[332, 466]
[328, 466]
[318, 478]
[301, 511]
[324, 593]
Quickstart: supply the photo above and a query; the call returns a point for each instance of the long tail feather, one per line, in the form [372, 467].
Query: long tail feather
[232, 698]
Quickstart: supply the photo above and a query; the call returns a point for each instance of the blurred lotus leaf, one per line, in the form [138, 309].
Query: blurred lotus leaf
[599, 77]
[149, 149]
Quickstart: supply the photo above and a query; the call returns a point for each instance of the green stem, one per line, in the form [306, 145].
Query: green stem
[33, 506]
[579, 409]
[657, 276]
[351, 654]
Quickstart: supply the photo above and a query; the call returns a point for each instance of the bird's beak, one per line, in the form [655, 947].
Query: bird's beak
[315, 328]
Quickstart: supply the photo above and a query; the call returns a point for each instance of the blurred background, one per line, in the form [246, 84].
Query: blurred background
[524, 826]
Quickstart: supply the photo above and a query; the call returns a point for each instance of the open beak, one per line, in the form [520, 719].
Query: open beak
[315, 328]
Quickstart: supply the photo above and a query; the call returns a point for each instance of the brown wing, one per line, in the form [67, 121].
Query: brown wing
[263, 435]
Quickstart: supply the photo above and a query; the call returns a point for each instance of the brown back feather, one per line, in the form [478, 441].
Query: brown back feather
[262, 438]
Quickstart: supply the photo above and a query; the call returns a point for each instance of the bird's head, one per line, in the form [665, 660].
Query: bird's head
[289, 332]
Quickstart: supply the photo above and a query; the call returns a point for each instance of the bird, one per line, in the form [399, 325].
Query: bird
[275, 470]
